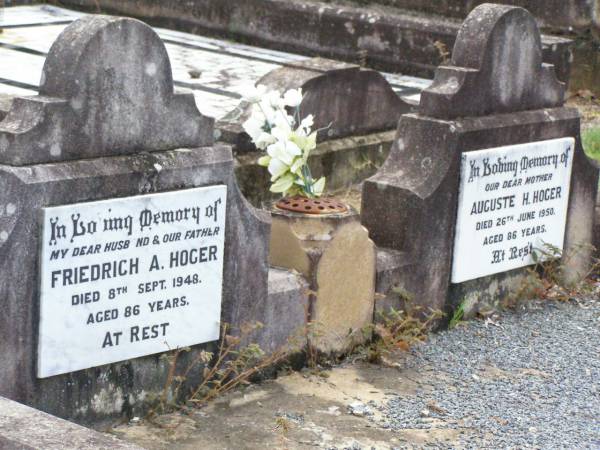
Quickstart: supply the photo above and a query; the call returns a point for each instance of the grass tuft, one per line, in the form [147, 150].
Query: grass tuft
[591, 142]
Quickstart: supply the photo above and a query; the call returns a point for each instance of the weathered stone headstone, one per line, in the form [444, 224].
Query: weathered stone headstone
[345, 99]
[498, 110]
[103, 92]
[122, 231]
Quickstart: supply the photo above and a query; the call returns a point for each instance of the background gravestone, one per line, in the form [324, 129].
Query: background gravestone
[106, 125]
[496, 92]
[345, 99]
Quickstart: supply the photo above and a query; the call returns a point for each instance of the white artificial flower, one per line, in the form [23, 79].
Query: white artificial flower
[265, 110]
[283, 184]
[255, 93]
[282, 127]
[287, 144]
[254, 126]
[277, 168]
[296, 167]
[307, 124]
[285, 151]
[292, 98]
[264, 140]
[264, 161]
[274, 100]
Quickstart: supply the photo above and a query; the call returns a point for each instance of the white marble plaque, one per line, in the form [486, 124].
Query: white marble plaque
[129, 277]
[512, 202]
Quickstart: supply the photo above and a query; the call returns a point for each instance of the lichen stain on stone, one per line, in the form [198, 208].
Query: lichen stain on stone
[349, 27]
[373, 42]
[108, 400]
[3, 144]
[55, 149]
[150, 69]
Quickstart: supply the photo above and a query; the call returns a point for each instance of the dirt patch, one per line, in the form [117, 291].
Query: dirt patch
[589, 107]
[339, 408]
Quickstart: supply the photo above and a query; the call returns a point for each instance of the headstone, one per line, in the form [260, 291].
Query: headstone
[122, 230]
[102, 92]
[512, 201]
[345, 99]
[490, 168]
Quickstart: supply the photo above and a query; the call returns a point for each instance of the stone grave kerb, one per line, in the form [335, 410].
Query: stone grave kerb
[106, 89]
[497, 92]
[108, 124]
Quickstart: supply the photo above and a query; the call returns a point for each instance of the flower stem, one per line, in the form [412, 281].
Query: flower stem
[308, 181]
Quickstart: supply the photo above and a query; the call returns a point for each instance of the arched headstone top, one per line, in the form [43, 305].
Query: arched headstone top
[106, 90]
[97, 50]
[496, 67]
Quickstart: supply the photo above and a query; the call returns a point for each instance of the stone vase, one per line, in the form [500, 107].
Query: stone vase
[333, 251]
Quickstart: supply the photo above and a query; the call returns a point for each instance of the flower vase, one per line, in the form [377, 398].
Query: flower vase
[323, 240]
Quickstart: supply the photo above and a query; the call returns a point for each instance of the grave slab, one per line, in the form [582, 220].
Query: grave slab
[390, 39]
[216, 71]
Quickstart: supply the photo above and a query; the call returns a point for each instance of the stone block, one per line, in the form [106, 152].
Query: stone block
[336, 256]
[5, 102]
[392, 267]
[490, 96]
[288, 304]
[564, 14]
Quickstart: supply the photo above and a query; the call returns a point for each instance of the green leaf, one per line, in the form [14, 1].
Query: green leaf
[283, 183]
[319, 187]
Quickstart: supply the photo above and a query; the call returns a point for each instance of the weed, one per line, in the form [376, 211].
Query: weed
[282, 426]
[545, 280]
[457, 315]
[398, 330]
[234, 364]
[443, 52]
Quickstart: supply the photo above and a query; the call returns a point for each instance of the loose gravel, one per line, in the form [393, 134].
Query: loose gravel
[529, 379]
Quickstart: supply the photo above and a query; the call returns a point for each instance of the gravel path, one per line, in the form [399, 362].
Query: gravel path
[523, 380]
[529, 379]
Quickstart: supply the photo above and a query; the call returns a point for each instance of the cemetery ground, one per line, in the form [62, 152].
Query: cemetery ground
[524, 378]
[118, 186]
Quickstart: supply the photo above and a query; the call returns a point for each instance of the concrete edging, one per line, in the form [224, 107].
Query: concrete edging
[25, 428]
[385, 39]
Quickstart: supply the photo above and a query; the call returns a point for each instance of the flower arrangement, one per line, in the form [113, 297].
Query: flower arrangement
[287, 140]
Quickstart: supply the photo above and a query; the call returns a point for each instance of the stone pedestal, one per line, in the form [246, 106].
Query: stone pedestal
[337, 258]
